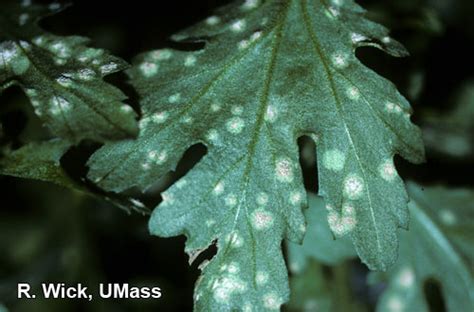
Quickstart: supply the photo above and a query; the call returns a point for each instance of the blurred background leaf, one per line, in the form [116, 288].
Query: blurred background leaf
[431, 273]
[434, 271]
[452, 133]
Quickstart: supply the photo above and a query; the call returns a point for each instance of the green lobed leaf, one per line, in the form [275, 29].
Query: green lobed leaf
[319, 242]
[439, 229]
[62, 76]
[270, 72]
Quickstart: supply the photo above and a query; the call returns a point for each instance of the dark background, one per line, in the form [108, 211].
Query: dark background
[51, 234]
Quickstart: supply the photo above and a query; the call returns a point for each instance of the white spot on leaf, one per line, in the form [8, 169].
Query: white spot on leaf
[215, 107]
[64, 81]
[296, 197]
[243, 44]
[59, 105]
[356, 38]
[261, 277]
[393, 108]
[250, 4]
[271, 113]
[190, 61]
[247, 307]
[162, 156]
[226, 286]
[168, 198]
[108, 68]
[159, 117]
[262, 219]
[11, 56]
[235, 125]
[86, 74]
[255, 36]
[339, 60]
[60, 49]
[126, 109]
[262, 199]
[219, 188]
[181, 183]
[148, 69]
[213, 135]
[272, 301]
[332, 12]
[25, 45]
[38, 40]
[284, 170]
[353, 186]
[174, 98]
[231, 200]
[387, 170]
[233, 268]
[210, 222]
[235, 240]
[237, 110]
[161, 55]
[386, 39]
[152, 155]
[213, 20]
[353, 93]
[238, 25]
[187, 119]
[334, 160]
[342, 223]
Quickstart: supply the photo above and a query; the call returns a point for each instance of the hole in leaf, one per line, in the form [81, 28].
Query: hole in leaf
[74, 160]
[190, 158]
[120, 81]
[74, 164]
[206, 255]
[307, 149]
[194, 44]
[13, 119]
[13, 123]
[434, 296]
